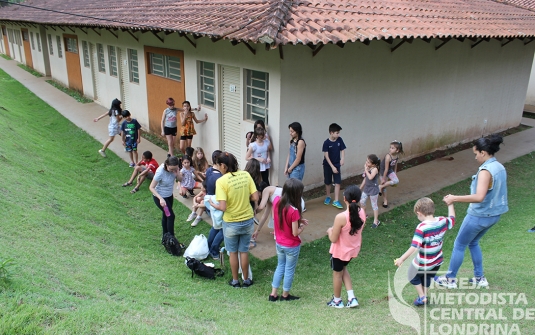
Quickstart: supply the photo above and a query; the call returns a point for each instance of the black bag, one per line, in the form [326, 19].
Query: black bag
[202, 270]
[172, 245]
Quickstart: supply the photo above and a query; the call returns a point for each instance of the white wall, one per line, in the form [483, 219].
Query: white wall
[425, 98]
[530, 95]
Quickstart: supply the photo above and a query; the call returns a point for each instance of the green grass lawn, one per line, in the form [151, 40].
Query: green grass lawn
[88, 260]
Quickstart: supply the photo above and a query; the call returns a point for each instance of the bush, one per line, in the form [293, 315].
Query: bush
[5, 272]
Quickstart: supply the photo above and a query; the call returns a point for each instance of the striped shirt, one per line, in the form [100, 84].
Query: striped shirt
[428, 238]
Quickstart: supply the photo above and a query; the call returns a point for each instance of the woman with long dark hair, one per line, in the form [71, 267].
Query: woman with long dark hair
[488, 201]
[295, 162]
[234, 190]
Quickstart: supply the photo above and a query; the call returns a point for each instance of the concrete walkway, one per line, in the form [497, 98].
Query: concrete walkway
[415, 182]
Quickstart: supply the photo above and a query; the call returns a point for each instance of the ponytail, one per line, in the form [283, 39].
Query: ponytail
[352, 195]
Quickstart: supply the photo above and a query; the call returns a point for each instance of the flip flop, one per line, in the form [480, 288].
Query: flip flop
[375, 225]
[385, 206]
[127, 184]
[134, 190]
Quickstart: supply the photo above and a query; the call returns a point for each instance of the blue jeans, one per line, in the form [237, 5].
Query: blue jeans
[472, 230]
[215, 237]
[298, 172]
[287, 261]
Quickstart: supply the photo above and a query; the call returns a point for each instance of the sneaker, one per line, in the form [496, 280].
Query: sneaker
[481, 281]
[327, 201]
[192, 216]
[338, 304]
[191, 193]
[185, 196]
[445, 282]
[247, 283]
[338, 205]
[289, 297]
[215, 258]
[272, 298]
[352, 303]
[420, 301]
[196, 222]
[532, 230]
[102, 153]
[237, 285]
[376, 224]
[132, 164]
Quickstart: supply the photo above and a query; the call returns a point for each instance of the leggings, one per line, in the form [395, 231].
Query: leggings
[168, 223]
[393, 179]
[373, 200]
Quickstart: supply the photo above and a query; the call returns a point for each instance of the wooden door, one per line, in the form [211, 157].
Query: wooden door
[163, 82]
[27, 47]
[6, 42]
[72, 57]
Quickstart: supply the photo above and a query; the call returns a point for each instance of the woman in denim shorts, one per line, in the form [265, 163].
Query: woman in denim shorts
[234, 191]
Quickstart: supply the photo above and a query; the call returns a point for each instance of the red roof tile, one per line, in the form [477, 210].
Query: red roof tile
[291, 22]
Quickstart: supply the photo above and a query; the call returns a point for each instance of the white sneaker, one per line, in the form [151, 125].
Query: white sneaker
[352, 303]
[445, 282]
[192, 216]
[481, 282]
[102, 153]
[196, 222]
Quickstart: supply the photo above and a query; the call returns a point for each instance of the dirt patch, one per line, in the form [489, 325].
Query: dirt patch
[438, 154]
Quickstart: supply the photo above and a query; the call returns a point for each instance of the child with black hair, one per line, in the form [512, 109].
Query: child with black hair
[370, 187]
[131, 135]
[389, 168]
[259, 151]
[333, 160]
[346, 238]
[113, 127]
[187, 183]
[146, 168]
[288, 225]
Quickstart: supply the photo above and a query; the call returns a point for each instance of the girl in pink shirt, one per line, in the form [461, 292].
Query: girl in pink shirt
[288, 225]
[346, 238]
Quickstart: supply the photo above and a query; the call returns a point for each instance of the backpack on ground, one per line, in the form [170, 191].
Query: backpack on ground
[202, 270]
[172, 245]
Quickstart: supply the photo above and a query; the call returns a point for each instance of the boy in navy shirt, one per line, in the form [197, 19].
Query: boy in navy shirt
[333, 153]
[131, 136]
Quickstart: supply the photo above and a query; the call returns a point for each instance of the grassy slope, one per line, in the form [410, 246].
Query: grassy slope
[89, 260]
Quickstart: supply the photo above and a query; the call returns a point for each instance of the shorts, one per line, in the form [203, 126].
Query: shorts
[424, 278]
[337, 264]
[298, 172]
[150, 174]
[238, 235]
[196, 185]
[169, 131]
[329, 175]
[183, 138]
[130, 146]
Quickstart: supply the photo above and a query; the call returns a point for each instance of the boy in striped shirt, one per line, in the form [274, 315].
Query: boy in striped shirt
[427, 240]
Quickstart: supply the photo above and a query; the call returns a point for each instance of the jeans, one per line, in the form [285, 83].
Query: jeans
[287, 261]
[215, 237]
[168, 223]
[472, 230]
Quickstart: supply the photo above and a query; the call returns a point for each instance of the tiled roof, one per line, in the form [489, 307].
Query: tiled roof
[290, 22]
[528, 4]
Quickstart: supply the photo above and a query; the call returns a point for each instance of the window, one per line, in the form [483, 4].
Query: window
[71, 45]
[207, 84]
[101, 64]
[165, 66]
[60, 50]
[50, 46]
[31, 41]
[85, 51]
[112, 60]
[257, 95]
[38, 42]
[133, 66]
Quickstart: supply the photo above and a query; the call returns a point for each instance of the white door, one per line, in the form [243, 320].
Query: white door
[231, 103]
[124, 81]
